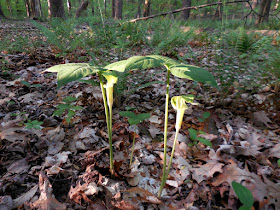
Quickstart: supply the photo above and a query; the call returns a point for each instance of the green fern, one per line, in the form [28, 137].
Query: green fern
[244, 41]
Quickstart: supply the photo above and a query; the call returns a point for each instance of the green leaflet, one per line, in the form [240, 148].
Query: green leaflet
[193, 73]
[141, 62]
[205, 115]
[117, 66]
[147, 62]
[72, 71]
[244, 195]
[127, 114]
[134, 119]
[152, 61]
[204, 141]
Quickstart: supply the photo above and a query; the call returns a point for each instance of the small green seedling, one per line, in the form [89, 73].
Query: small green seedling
[134, 119]
[11, 102]
[20, 114]
[27, 84]
[278, 161]
[244, 195]
[33, 124]
[195, 138]
[205, 116]
[67, 107]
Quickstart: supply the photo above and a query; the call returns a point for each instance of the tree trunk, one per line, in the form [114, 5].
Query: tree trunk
[35, 8]
[186, 13]
[105, 8]
[69, 7]
[264, 11]
[113, 8]
[117, 9]
[147, 8]
[138, 14]
[255, 2]
[219, 12]
[92, 8]
[28, 10]
[82, 8]
[2, 16]
[56, 9]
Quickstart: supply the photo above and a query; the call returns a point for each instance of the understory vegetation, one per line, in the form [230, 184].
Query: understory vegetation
[255, 53]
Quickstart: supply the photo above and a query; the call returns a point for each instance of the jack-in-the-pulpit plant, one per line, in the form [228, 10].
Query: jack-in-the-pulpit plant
[179, 104]
[112, 79]
[134, 119]
[75, 71]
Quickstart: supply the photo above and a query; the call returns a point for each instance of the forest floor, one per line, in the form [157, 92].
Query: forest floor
[66, 166]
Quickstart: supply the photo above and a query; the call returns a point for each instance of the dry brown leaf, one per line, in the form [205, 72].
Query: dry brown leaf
[125, 205]
[20, 166]
[30, 97]
[275, 151]
[259, 189]
[55, 135]
[13, 134]
[6, 202]
[77, 193]
[46, 200]
[145, 195]
[206, 171]
[25, 197]
[261, 117]
[57, 159]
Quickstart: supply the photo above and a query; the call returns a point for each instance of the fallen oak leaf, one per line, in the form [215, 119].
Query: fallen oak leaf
[260, 190]
[275, 151]
[206, 171]
[125, 205]
[145, 195]
[261, 117]
[6, 202]
[24, 197]
[81, 191]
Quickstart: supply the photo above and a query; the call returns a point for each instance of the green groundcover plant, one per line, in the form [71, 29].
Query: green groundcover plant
[74, 71]
[67, 107]
[133, 120]
[244, 195]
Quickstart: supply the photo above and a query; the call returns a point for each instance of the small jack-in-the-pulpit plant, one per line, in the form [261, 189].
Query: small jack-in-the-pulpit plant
[112, 79]
[133, 120]
[179, 104]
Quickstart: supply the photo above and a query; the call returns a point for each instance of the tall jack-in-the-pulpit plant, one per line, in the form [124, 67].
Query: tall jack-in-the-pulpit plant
[74, 71]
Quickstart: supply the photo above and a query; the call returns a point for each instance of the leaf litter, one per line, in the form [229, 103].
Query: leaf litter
[66, 165]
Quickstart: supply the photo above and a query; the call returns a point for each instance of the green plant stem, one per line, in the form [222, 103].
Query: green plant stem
[111, 143]
[164, 178]
[165, 133]
[109, 128]
[131, 156]
[172, 154]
